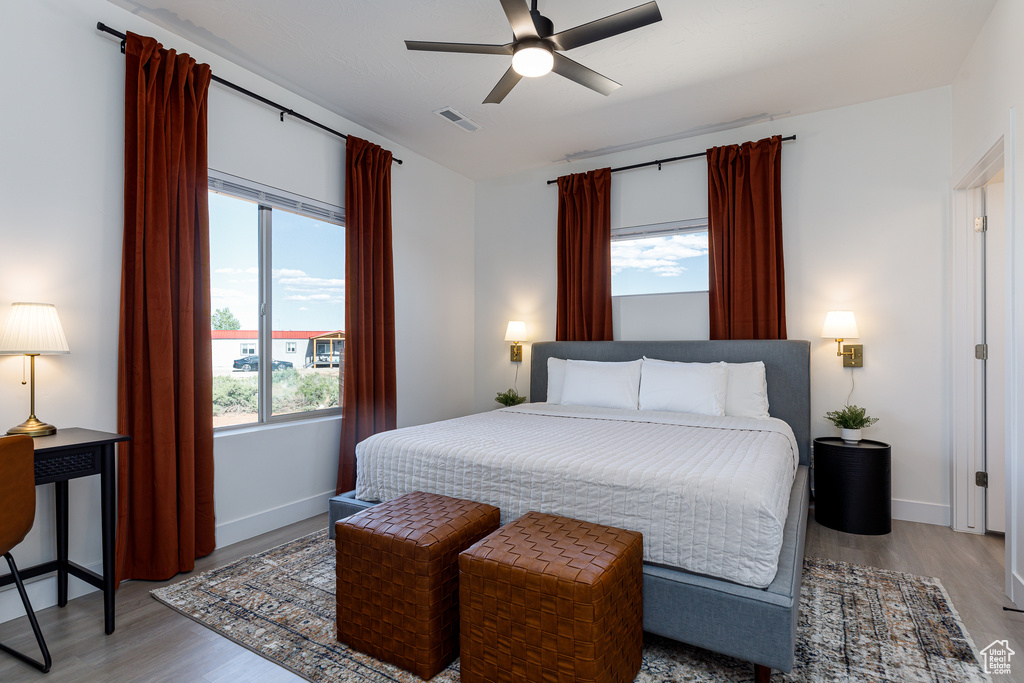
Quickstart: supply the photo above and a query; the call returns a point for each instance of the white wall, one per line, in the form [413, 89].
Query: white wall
[865, 211]
[61, 189]
[987, 96]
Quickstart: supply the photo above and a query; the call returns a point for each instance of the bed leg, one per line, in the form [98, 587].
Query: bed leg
[762, 674]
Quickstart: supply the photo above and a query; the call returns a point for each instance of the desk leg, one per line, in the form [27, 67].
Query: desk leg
[61, 494]
[108, 503]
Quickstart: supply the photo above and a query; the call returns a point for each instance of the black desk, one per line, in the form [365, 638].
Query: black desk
[69, 454]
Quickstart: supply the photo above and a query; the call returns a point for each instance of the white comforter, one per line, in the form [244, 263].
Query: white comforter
[709, 494]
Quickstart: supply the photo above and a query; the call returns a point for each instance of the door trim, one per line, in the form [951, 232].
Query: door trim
[966, 397]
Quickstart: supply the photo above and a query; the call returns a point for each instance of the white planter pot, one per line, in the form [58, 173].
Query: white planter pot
[850, 435]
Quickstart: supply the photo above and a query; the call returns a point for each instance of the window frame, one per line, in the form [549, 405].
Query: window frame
[687, 226]
[267, 199]
[247, 349]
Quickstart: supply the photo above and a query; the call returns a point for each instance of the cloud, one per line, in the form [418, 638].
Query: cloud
[306, 281]
[288, 272]
[298, 286]
[290, 285]
[659, 255]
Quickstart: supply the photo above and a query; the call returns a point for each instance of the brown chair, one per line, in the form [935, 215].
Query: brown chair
[17, 513]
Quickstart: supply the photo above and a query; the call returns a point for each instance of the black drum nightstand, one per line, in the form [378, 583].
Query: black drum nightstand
[853, 486]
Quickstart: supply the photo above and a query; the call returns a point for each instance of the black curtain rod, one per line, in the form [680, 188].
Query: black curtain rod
[270, 103]
[659, 162]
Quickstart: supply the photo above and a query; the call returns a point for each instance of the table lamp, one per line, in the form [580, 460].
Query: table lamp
[33, 329]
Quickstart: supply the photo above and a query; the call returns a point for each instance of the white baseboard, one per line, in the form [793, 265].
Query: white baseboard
[915, 511]
[42, 593]
[267, 520]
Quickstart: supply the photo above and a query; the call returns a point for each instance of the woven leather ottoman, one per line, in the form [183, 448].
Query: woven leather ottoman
[552, 599]
[398, 573]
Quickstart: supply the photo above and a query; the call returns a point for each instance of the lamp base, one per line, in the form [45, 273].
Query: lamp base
[33, 427]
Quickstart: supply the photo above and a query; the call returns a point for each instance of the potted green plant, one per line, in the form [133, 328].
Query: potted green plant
[851, 419]
[510, 397]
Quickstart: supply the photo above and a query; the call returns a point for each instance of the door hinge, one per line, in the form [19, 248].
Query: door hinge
[981, 351]
[981, 224]
[981, 479]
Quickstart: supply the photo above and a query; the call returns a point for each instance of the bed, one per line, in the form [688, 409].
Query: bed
[745, 607]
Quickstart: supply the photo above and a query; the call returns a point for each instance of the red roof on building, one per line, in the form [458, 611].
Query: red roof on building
[277, 334]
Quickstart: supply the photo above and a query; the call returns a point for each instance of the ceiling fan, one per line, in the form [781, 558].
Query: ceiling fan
[535, 50]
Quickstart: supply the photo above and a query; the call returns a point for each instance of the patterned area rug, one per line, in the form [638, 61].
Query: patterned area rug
[856, 624]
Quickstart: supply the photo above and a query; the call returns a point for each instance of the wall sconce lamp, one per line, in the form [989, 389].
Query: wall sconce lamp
[516, 333]
[840, 325]
[33, 329]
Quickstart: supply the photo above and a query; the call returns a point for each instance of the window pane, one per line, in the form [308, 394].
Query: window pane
[662, 264]
[308, 309]
[234, 299]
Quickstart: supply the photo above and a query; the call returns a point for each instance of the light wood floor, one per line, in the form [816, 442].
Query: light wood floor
[154, 643]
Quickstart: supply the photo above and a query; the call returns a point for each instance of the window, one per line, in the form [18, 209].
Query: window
[660, 258]
[277, 275]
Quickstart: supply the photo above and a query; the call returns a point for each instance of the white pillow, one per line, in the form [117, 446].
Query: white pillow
[602, 385]
[684, 387]
[747, 395]
[556, 378]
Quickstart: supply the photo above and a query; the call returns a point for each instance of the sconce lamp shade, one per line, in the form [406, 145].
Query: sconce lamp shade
[516, 331]
[33, 329]
[840, 325]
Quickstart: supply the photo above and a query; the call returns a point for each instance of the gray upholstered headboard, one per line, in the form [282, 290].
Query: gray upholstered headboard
[787, 369]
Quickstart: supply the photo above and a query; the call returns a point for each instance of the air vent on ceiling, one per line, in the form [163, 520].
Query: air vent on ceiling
[457, 119]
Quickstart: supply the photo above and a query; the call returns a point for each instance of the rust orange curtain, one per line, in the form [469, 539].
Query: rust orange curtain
[369, 380]
[584, 303]
[747, 286]
[165, 474]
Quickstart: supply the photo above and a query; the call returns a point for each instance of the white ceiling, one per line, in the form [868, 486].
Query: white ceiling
[709, 64]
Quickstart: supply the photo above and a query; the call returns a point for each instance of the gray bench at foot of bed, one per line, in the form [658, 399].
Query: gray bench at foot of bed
[343, 506]
[752, 624]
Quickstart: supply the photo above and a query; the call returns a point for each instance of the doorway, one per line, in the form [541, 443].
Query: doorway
[978, 348]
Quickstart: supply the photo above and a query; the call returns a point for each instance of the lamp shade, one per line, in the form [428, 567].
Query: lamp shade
[33, 328]
[516, 331]
[840, 325]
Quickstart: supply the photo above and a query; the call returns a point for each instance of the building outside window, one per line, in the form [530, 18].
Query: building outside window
[660, 258]
[277, 264]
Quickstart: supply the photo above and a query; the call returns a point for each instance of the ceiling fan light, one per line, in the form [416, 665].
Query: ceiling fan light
[533, 60]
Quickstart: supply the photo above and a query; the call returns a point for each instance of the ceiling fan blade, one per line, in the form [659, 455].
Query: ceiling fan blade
[518, 13]
[575, 71]
[611, 25]
[504, 86]
[459, 47]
